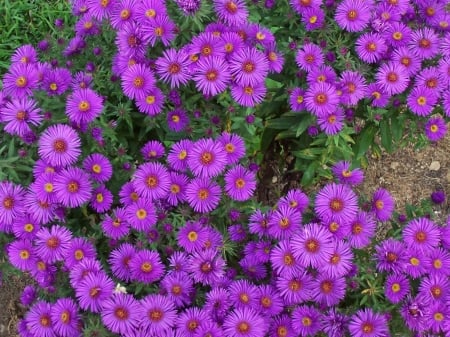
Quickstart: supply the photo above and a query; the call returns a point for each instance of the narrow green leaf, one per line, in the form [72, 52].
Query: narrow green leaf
[386, 136]
[309, 174]
[365, 139]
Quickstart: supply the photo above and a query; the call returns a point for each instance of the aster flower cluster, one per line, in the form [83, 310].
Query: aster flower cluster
[405, 46]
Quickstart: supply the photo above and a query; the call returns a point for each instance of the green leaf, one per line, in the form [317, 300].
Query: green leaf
[308, 154]
[282, 123]
[303, 125]
[309, 174]
[386, 136]
[397, 124]
[365, 139]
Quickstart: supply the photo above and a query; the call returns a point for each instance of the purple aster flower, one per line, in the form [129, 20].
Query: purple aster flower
[93, 291]
[83, 106]
[148, 10]
[234, 146]
[162, 29]
[362, 229]
[424, 43]
[194, 236]
[12, 202]
[396, 287]
[232, 43]
[206, 266]
[270, 302]
[436, 318]
[59, 145]
[121, 313]
[146, 266]
[370, 47]
[81, 80]
[173, 67]
[177, 191]
[275, 58]
[332, 122]
[21, 255]
[189, 7]
[321, 98]
[324, 73]
[123, 12]
[397, 34]
[249, 95]
[367, 323]
[436, 129]
[101, 199]
[119, 260]
[28, 296]
[313, 245]
[421, 233]
[281, 326]
[25, 227]
[306, 320]
[56, 81]
[38, 318]
[336, 202]
[295, 199]
[353, 15]
[179, 288]
[231, 12]
[153, 149]
[259, 223]
[116, 226]
[141, 215]
[334, 323]
[283, 260]
[25, 54]
[240, 184]
[190, 320]
[391, 256]
[340, 262]
[65, 317]
[284, 222]
[177, 120]
[404, 57]
[78, 273]
[158, 313]
[437, 262]
[237, 233]
[300, 6]
[433, 288]
[203, 194]
[438, 197]
[20, 80]
[415, 266]
[152, 103]
[40, 210]
[377, 95]
[152, 181]
[52, 244]
[98, 167]
[342, 172]
[353, 86]
[421, 100]
[297, 99]
[412, 312]
[393, 77]
[72, 187]
[309, 57]
[207, 45]
[296, 288]
[243, 294]
[207, 158]
[217, 303]
[329, 290]
[313, 18]
[244, 322]
[249, 67]
[211, 75]
[382, 204]
[178, 154]
[432, 79]
[79, 250]
[137, 81]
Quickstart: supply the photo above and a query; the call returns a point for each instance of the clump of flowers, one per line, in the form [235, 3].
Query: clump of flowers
[137, 214]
